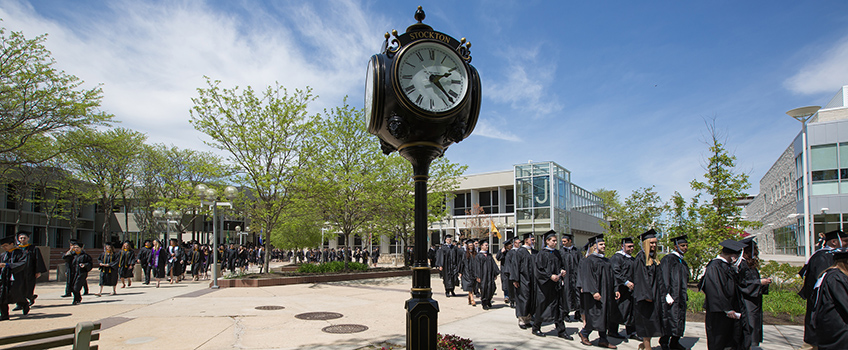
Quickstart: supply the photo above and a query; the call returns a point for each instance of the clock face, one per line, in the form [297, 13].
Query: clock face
[369, 90]
[431, 77]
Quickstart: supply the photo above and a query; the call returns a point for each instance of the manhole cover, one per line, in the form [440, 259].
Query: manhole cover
[270, 307]
[319, 316]
[345, 328]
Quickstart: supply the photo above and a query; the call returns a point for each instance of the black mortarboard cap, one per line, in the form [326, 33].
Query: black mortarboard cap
[748, 241]
[448, 236]
[648, 235]
[732, 245]
[680, 239]
[626, 240]
[835, 234]
[567, 235]
[527, 235]
[549, 234]
[596, 239]
[8, 239]
[586, 246]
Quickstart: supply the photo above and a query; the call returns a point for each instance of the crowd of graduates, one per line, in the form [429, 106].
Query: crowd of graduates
[317, 256]
[646, 294]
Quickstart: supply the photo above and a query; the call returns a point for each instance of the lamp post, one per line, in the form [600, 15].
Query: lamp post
[803, 115]
[208, 196]
[168, 218]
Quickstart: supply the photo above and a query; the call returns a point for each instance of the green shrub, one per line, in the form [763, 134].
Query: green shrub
[784, 301]
[784, 274]
[333, 266]
[696, 301]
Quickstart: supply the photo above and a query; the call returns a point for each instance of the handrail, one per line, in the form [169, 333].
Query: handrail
[81, 339]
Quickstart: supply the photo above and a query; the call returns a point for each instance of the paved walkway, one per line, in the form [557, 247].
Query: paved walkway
[189, 315]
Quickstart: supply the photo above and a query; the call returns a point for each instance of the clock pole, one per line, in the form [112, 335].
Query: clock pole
[421, 132]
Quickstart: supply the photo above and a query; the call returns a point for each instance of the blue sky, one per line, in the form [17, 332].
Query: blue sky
[616, 91]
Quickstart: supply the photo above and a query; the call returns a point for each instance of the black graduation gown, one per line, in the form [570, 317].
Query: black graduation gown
[596, 276]
[622, 267]
[721, 293]
[647, 310]
[80, 265]
[143, 257]
[820, 261]
[448, 259]
[831, 311]
[752, 303]
[230, 256]
[195, 258]
[570, 293]
[158, 261]
[35, 264]
[674, 276]
[486, 270]
[522, 271]
[108, 274]
[548, 296]
[501, 258]
[466, 269]
[13, 281]
[126, 263]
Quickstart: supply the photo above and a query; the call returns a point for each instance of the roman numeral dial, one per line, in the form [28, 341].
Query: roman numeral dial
[431, 77]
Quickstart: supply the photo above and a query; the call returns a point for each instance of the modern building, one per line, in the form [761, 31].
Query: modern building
[780, 203]
[532, 197]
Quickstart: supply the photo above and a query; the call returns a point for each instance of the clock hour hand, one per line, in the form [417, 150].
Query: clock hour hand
[435, 80]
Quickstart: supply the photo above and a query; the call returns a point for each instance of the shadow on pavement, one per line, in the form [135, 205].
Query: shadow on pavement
[42, 316]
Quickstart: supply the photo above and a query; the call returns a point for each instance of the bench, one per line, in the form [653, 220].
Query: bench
[80, 337]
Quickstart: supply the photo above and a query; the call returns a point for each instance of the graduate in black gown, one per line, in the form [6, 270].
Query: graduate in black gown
[674, 279]
[447, 261]
[143, 258]
[522, 271]
[549, 274]
[597, 281]
[501, 258]
[752, 288]
[485, 271]
[158, 261]
[722, 300]
[820, 261]
[506, 271]
[622, 265]
[126, 263]
[647, 309]
[13, 268]
[108, 264]
[81, 263]
[35, 265]
[571, 256]
[831, 308]
[467, 278]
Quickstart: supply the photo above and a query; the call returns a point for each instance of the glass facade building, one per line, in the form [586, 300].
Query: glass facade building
[545, 198]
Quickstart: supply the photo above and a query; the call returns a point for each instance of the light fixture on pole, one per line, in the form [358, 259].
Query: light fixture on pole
[209, 197]
[167, 218]
[803, 115]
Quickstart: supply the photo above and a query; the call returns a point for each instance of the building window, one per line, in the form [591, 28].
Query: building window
[461, 203]
[488, 200]
[824, 170]
[785, 240]
[510, 201]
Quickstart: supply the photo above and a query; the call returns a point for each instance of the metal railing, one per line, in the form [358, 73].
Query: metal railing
[80, 337]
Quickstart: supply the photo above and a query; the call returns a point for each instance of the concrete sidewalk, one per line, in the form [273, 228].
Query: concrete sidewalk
[189, 315]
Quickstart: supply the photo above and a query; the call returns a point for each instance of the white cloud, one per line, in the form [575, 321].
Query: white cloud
[486, 128]
[525, 83]
[826, 73]
[151, 58]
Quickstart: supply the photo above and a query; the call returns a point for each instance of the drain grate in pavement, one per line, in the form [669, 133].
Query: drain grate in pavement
[313, 316]
[270, 307]
[345, 328]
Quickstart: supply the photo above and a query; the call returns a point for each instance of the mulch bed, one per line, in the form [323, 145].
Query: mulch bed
[768, 319]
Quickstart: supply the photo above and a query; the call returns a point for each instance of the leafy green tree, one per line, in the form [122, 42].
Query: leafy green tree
[719, 215]
[39, 100]
[265, 135]
[106, 162]
[641, 211]
[345, 168]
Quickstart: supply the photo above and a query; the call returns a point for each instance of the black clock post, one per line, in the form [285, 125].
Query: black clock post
[422, 95]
